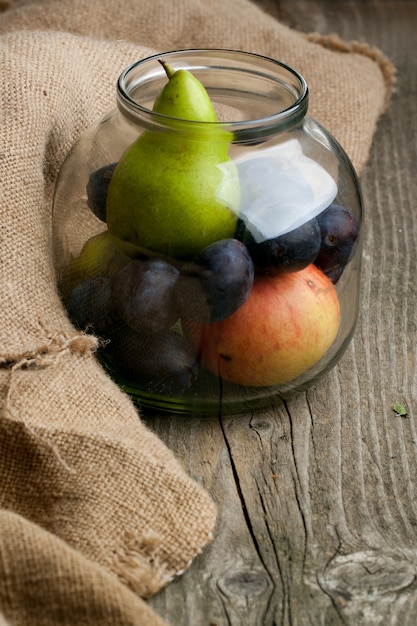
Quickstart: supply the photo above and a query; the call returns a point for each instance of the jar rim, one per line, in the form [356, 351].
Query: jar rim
[261, 65]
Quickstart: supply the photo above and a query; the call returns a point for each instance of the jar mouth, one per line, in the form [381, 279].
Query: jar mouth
[254, 95]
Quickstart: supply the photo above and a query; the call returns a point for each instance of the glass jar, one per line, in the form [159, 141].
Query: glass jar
[219, 261]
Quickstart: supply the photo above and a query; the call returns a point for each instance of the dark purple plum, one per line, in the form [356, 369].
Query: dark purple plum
[97, 187]
[90, 304]
[143, 294]
[339, 231]
[290, 252]
[163, 363]
[217, 283]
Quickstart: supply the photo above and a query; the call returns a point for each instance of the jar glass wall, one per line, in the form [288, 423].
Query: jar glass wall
[219, 261]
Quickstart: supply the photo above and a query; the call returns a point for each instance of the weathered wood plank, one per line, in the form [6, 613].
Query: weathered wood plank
[317, 497]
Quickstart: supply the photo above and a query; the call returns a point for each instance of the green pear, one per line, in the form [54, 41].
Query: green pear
[102, 254]
[176, 190]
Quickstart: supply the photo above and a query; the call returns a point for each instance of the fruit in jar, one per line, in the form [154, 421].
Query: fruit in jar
[97, 187]
[175, 190]
[290, 252]
[90, 305]
[99, 255]
[217, 283]
[163, 362]
[339, 231]
[286, 325]
[143, 294]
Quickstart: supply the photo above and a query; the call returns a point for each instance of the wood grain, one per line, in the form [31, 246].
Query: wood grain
[317, 497]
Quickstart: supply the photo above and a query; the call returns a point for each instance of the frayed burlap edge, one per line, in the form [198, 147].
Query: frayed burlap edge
[139, 557]
[55, 347]
[47, 354]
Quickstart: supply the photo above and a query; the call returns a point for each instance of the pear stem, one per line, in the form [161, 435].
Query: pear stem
[169, 70]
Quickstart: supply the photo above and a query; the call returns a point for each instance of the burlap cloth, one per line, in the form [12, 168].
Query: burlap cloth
[95, 512]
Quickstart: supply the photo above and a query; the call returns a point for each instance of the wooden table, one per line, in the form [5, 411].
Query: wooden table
[317, 497]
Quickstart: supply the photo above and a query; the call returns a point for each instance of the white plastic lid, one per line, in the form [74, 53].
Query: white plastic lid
[282, 189]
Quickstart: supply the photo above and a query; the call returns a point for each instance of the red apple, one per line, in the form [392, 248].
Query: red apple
[286, 325]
